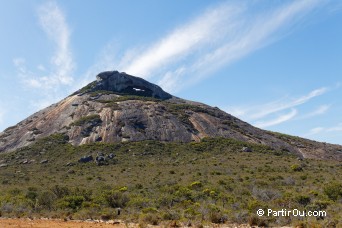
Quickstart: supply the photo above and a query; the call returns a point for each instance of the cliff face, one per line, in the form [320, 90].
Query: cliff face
[126, 84]
[118, 107]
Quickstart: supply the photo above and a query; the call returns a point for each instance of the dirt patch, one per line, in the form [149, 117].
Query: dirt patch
[55, 223]
[50, 223]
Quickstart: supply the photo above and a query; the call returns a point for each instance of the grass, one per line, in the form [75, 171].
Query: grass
[128, 98]
[85, 89]
[202, 182]
[87, 119]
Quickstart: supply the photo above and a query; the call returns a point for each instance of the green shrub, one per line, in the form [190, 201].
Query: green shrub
[60, 191]
[152, 219]
[116, 199]
[149, 210]
[94, 119]
[257, 221]
[171, 215]
[191, 213]
[32, 195]
[296, 168]
[303, 200]
[196, 185]
[216, 215]
[46, 200]
[139, 202]
[333, 190]
[72, 202]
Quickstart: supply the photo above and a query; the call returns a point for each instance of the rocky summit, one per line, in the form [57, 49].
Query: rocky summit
[118, 107]
[126, 84]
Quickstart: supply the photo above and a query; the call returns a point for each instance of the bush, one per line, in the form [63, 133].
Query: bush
[171, 215]
[216, 215]
[303, 200]
[190, 213]
[46, 200]
[32, 195]
[196, 185]
[256, 221]
[296, 168]
[152, 219]
[149, 210]
[72, 202]
[139, 202]
[333, 191]
[116, 199]
[60, 191]
[94, 119]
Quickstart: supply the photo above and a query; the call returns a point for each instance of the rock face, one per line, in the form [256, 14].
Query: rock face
[127, 84]
[118, 107]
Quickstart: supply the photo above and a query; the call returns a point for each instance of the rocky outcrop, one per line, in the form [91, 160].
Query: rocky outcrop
[106, 111]
[127, 84]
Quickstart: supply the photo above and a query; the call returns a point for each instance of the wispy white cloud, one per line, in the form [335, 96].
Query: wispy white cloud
[277, 106]
[238, 111]
[315, 130]
[335, 128]
[51, 79]
[318, 111]
[215, 39]
[270, 114]
[324, 130]
[106, 60]
[278, 120]
[204, 30]
[260, 111]
[258, 31]
[53, 23]
[171, 80]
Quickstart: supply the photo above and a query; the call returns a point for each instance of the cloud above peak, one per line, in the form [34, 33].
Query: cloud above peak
[216, 38]
[53, 23]
[208, 28]
[55, 26]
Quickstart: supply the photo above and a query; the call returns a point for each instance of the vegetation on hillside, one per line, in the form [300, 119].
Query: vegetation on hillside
[95, 119]
[211, 181]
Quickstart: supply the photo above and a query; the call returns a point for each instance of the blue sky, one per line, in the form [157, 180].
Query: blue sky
[275, 64]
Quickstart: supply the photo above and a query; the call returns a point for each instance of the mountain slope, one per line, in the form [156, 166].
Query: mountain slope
[118, 107]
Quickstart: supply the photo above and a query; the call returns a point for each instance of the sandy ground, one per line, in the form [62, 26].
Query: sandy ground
[47, 223]
[55, 223]
[51, 223]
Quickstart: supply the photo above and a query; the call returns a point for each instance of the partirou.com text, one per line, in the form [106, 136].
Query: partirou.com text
[292, 212]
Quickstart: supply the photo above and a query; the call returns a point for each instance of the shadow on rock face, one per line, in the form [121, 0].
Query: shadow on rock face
[128, 84]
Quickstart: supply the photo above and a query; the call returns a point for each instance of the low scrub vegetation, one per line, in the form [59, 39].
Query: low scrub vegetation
[211, 181]
[87, 119]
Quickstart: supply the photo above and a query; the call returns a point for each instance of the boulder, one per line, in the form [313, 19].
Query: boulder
[246, 149]
[128, 84]
[70, 164]
[101, 159]
[86, 159]
[3, 165]
[71, 171]
[111, 156]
